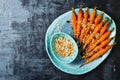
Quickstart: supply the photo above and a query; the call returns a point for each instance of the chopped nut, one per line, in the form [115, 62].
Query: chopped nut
[64, 47]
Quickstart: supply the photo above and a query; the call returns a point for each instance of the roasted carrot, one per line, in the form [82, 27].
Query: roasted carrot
[79, 20]
[102, 38]
[88, 31]
[91, 43]
[74, 19]
[80, 14]
[86, 15]
[84, 26]
[85, 19]
[104, 28]
[78, 29]
[85, 37]
[86, 49]
[87, 55]
[98, 18]
[99, 26]
[103, 44]
[98, 54]
[88, 41]
[74, 22]
[82, 33]
[92, 15]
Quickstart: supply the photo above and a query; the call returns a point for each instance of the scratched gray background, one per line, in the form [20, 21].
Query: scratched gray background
[23, 24]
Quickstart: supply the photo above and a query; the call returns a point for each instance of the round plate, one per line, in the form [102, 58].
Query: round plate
[73, 68]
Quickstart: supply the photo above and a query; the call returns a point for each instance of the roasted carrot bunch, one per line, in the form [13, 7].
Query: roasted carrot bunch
[91, 31]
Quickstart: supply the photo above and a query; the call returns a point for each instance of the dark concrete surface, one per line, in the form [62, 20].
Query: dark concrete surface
[23, 24]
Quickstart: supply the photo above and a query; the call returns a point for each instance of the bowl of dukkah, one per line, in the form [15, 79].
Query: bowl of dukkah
[64, 47]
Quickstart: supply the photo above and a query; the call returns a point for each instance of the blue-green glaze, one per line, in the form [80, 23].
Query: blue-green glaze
[74, 68]
[68, 59]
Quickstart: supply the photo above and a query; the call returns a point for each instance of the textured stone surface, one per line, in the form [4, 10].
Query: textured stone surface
[23, 24]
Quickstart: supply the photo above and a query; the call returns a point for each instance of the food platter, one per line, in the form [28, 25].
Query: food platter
[74, 67]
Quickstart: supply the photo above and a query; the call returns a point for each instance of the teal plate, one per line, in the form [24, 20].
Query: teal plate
[73, 68]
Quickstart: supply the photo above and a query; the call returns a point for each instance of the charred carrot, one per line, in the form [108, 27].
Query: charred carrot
[88, 31]
[98, 54]
[86, 50]
[74, 19]
[80, 14]
[97, 28]
[84, 26]
[91, 43]
[98, 18]
[102, 38]
[82, 33]
[79, 20]
[88, 55]
[92, 15]
[103, 44]
[78, 29]
[74, 22]
[104, 28]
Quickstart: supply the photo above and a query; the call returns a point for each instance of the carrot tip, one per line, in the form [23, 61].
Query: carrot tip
[102, 12]
[72, 9]
[105, 19]
[95, 8]
[87, 8]
[112, 29]
[110, 20]
[81, 6]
